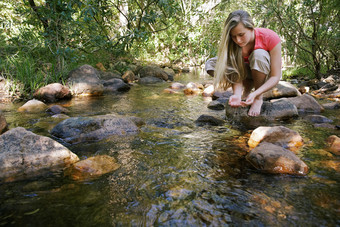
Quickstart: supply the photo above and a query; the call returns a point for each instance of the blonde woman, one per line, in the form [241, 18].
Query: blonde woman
[248, 58]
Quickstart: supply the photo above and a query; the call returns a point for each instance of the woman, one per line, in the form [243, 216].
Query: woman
[248, 58]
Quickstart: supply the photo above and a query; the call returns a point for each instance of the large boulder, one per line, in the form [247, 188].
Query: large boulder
[85, 80]
[24, 154]
[81, 129]
[306, 103]
[272, 158]
[278, 135]
[33, 106]
[274, 110]
[282, 89]
[92, 167]
[3, 123]
[153, 71]
[52, 93]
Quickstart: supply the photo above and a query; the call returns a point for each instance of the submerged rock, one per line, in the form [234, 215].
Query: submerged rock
[318, 119]
[208, 120]
[92, 167]
[272, 158]
[81, 129]
[85, 80]
[53, 93]
[177, 86]
[150, 80]
[33, 106]
[56, 109]
[24, 154]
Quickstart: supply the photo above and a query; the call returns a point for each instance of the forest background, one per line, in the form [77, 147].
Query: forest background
[42, 40]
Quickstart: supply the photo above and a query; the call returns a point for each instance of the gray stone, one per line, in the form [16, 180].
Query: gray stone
[24, 154]
[150, 80]
[306, 103]
[282, 89]
[271, 111]
[114, 85]
[81, 129]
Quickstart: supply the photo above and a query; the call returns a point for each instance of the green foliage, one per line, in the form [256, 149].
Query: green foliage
[65, 34]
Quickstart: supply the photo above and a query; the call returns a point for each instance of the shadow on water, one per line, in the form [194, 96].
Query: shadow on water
[173, 173]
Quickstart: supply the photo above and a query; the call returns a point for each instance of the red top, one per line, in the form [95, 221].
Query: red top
[265, 39]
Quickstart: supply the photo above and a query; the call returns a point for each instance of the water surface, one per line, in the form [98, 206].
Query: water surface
[174, 173]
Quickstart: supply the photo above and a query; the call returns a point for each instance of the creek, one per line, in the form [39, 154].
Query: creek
[174, 173]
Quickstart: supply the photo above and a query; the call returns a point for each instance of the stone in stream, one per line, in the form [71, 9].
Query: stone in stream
[84, 129]
[272, 158]
[33, 106]
[85, 81]
[92, 167]
[274, 110]
[53, 93]
[24, 154]
[278, 135]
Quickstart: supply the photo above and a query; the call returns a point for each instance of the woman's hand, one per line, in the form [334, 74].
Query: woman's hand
[249, 100]
[235, 101]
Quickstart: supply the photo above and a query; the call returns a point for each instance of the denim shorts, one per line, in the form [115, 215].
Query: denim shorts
[258, 60]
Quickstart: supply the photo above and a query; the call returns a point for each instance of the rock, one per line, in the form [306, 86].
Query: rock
[324, 125]
[33, 106]
[318, 119]
[278, 135]
[129, 76]
[280, 109]
[52, 93]
[272, 158]
[85, 80]
[60, 116]
[170, 91]
[208, 91]
[114, 85]
[150, 80]
[194, 86]
[3, 123]
[92, 167]
[24, 154]
[192, 91]
[56, 109]
[282, 89]
[110, 75]
[170, 72]
[84, 129]
[216, 105]
[153, 71]
[208, 120]
[222, 95]
[177, 86]
[334, 144]
[331, 106]
[306, 103]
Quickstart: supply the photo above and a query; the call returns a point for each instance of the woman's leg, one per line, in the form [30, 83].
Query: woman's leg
[260, 69]
[258, 78]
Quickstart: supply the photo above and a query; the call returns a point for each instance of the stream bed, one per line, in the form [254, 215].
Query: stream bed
[174, 173]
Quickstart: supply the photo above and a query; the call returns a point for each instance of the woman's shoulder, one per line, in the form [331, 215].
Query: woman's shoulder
[265, 32]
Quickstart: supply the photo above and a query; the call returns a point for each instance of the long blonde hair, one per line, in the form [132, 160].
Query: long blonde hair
[230, 64]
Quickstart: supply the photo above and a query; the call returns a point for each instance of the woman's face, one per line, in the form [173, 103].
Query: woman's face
[242, 35]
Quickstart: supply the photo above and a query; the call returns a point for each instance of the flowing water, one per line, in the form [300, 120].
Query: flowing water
[174, 173]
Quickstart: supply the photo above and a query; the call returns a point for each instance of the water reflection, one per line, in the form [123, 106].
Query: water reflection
[173, 173]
